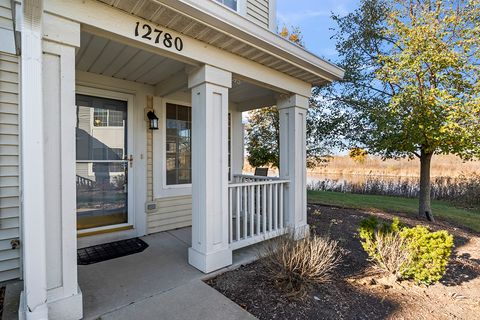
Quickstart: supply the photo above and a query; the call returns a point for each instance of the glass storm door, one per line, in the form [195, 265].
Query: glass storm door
[103, 162]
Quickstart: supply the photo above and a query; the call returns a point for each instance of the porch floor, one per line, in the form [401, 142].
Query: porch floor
[156, 283]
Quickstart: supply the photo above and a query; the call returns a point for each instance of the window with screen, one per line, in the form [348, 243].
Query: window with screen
[178, 144]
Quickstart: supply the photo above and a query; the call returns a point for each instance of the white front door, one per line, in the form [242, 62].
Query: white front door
[104, 165]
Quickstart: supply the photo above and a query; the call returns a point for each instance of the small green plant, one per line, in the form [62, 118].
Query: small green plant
[429, 253]
[409, 253]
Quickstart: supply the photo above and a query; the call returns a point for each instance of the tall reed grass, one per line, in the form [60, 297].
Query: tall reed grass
[463, 190]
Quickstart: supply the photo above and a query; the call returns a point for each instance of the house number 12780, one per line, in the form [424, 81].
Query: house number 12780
[160, 37]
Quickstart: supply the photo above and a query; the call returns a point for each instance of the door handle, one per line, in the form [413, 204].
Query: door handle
[130, 160]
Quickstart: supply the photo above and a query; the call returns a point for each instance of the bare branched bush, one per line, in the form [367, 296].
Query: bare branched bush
[297, 265]
[392, 252]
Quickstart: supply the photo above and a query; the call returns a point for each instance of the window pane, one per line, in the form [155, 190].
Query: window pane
[183, 113]
[100, 117]
[115, 118]
[232, 4]
[171, 111]
[101, 194]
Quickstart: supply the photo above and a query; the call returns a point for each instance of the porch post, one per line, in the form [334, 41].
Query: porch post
[34, 297]
[55, 115]
[292, 113]
[210, 249]
[60, 39]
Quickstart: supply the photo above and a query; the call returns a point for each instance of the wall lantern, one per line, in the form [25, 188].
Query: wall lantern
[153, 120]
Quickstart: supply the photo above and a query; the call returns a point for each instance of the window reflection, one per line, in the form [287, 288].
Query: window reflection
[101, 140]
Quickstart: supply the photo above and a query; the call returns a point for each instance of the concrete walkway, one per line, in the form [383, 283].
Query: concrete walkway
[155, 284]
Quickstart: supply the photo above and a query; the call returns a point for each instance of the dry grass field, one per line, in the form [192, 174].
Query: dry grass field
[442, 166]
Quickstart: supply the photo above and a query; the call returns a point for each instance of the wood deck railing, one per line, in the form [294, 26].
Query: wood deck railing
[256, 209]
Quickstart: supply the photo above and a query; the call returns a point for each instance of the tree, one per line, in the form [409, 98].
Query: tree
[411, 86]
[358, 154]
[262, 139]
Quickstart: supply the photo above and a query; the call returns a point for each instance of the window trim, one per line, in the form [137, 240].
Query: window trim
[159, 157]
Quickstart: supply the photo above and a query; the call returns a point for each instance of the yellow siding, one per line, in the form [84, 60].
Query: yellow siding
[258, 12]
[9, 167]
[172, 213]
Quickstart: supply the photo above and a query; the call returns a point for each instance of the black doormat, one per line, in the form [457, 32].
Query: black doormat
[112, 250]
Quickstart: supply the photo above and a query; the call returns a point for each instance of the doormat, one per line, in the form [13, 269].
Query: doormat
[112, 250]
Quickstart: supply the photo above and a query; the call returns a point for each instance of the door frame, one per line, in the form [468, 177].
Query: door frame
[98, 235]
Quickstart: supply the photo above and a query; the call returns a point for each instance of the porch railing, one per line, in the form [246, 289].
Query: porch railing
[256, 209]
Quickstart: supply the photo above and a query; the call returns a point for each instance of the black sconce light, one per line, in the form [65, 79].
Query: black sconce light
[153, 120]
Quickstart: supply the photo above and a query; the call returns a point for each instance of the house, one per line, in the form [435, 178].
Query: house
[84, 86]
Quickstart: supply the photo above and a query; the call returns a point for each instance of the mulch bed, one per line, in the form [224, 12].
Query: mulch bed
[358, 290]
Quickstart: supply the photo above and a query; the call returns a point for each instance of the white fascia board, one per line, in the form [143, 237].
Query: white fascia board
[215, 15]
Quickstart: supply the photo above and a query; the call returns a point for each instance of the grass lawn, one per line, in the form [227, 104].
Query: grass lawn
[443, 210]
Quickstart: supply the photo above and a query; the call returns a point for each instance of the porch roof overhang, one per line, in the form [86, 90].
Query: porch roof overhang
[216, 25]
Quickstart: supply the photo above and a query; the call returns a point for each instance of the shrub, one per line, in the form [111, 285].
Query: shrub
[369, 230]
[429, 253]
[409, 253]
[298, 264]
[392, 255]
[383, 244]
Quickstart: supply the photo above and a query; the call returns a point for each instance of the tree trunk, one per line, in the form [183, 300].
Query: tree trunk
[425, 209]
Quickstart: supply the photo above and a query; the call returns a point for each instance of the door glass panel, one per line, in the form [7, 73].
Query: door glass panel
[102, 165]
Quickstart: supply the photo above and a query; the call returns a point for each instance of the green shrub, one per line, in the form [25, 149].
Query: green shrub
[370, 227]
[410, 253]
[429, 254]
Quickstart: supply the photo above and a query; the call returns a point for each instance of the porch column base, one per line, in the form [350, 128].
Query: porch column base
[300, 232]
[40, 312]
[211, 261]
[70, 308]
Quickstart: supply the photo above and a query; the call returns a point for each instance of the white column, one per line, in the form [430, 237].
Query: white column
[57, 116]
[293, 113]
[237, 140]
[34, 297]
[210, 249]
[61, 37]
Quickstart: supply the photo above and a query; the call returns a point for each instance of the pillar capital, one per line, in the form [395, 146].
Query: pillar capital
[209, 74]
[294, 100]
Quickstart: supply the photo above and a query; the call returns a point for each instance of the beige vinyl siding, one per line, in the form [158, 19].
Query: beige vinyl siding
[258, 12]
[172, 213]
[9, 168]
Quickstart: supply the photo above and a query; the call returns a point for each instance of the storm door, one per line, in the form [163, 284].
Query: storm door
[103, 164]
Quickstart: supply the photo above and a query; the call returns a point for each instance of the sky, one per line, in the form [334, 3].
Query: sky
[313, 18]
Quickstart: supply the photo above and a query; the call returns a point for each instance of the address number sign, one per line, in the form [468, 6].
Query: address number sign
[160, 37]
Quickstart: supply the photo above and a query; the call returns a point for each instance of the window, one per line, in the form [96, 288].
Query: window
[178, 144]
[108, 118]
[232, 4]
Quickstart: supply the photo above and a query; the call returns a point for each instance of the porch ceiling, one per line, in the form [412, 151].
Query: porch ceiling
[107, 57]
[231, 32]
